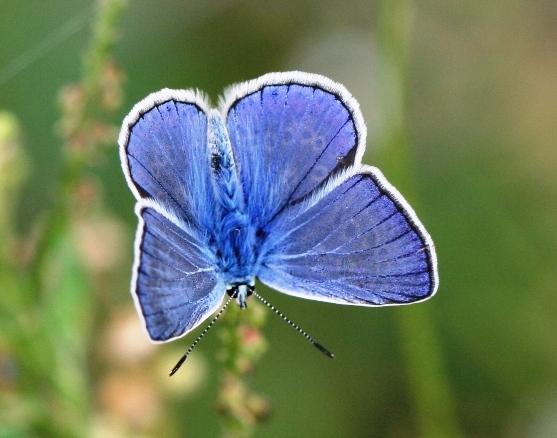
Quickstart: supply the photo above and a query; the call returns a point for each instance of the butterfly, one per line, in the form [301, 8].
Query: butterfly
[269, 185]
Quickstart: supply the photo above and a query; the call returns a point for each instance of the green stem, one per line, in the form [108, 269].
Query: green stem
[59, 284]
[99, 55]
[430, 389]
[243, 347]
[76, 159]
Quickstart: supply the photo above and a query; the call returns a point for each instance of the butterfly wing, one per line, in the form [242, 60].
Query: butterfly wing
[164, 153]
[332, 230]
[290, 132]
[176, 284]
[357, 241]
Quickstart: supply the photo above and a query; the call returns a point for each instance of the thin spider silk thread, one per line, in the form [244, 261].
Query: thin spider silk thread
[57, 37]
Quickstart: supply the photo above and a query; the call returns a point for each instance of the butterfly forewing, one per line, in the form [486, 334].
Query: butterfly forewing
[165, 157]
[289, 133]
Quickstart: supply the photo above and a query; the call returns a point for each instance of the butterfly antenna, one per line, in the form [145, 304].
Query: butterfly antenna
[187, 353]
[302, 332]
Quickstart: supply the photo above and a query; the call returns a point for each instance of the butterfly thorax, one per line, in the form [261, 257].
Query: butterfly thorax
[233, 235]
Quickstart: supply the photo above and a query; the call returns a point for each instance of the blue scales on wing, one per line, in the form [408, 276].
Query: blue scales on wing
[358, 243]
[271, 185]
[176, 282]
[288, 138]
[330, 229]
[165, 155]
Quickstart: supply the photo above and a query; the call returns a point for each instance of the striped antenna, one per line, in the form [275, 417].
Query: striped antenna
[187, 353]
[302, 332]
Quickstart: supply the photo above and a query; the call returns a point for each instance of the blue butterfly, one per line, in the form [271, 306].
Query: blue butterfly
[270, 185]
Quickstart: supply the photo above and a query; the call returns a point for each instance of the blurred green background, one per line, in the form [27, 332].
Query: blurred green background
[471, 88]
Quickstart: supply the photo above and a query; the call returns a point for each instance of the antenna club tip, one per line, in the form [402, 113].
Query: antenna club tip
[324, 350]
[178, 365]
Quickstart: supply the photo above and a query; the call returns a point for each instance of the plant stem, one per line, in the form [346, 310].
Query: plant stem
[430, 389]
[60, 287]
[243, 346]
[81, 127]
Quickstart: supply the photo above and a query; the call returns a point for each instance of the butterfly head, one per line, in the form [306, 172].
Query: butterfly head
[241, 290]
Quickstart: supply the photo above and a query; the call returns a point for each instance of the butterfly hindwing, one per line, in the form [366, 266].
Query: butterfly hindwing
[357, 242]
[176, 283]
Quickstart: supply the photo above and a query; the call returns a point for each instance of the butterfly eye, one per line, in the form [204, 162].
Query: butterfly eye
[215, 162]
